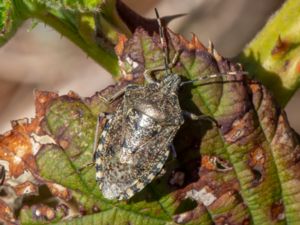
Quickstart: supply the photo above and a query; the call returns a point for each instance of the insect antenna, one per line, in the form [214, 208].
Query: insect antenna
[163, 42]
[212, 76]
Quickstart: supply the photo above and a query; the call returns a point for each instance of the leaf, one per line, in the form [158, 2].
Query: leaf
[10, 20]
[243, 172]
[273, 55]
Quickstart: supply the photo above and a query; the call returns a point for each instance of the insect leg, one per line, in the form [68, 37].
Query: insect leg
[148, 72]
[119, 93]
[96, 137]
[85, 166]
[193, 116]
[216, 75]
[114, 96]
[167, 65]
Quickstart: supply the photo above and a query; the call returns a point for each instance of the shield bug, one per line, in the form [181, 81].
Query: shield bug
[137, 138]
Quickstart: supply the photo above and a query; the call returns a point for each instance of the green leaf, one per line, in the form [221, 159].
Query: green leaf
[10, 20]
[273, 55]
[244, 171]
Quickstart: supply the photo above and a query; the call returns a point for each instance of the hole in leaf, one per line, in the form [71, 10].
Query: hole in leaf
[222, 165]
[45, 197]
[256, 163]
[186, 205]
[257, 176]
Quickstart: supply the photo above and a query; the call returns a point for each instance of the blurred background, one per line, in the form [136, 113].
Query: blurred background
[40, 58]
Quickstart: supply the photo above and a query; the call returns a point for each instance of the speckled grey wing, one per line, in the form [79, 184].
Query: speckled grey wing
[122, 180]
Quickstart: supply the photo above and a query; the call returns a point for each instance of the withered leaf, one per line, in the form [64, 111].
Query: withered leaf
[242, 172]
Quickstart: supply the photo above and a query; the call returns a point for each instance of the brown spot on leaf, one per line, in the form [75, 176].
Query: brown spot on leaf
[255, 88]
[207, 162]
[280, 48]
[64, 143]
[277, 211]
[256, 163]
[59, 191]
[240, 129]
[214, 163]
[222, 200]
[26, 188]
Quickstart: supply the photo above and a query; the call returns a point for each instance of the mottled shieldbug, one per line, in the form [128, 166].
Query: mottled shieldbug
[136, 140]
